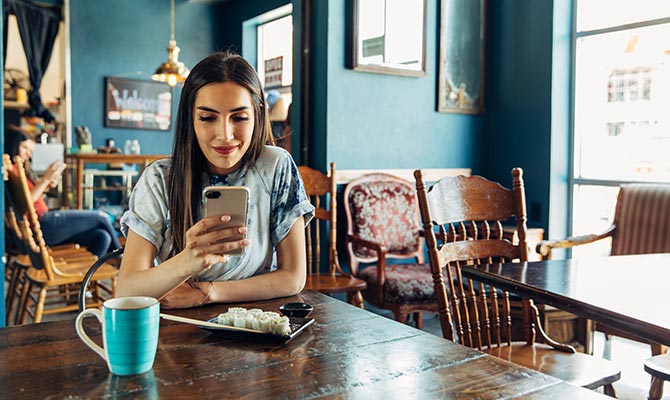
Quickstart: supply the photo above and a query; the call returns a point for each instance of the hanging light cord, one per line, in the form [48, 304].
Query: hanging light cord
[172, 20]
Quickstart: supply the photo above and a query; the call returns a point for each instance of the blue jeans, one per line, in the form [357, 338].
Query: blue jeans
[91, 229]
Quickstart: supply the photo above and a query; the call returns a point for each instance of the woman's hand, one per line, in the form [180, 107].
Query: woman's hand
[203, 248]
[53, 173]
[48, 181]
[207, 244]
[188, 294]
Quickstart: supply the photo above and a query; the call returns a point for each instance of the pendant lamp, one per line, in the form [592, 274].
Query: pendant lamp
[172, 71]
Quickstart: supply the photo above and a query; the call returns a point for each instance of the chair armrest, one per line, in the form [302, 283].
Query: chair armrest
[380, 249]
[545, 247]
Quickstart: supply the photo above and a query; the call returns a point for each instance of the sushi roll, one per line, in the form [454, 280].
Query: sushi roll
[256, 312]
[280, 326]
[264, 323]
[240, 320]
[250, 319]
[225, 319]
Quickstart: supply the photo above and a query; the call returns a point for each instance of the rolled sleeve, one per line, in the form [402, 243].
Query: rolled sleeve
[290, 201]
[147, 213]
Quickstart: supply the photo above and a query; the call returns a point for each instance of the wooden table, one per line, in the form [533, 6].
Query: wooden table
[347, 353]
[629, 293]
[80, 159]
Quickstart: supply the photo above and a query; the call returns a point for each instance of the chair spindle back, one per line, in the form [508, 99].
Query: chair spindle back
[462, 220]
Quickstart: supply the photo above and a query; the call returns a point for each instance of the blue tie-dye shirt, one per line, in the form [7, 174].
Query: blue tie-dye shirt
[277, 199]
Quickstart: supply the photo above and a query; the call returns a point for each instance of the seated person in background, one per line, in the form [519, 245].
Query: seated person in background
[91, 229]
[222, 137]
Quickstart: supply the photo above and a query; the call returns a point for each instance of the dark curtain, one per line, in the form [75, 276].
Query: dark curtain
[38, 27]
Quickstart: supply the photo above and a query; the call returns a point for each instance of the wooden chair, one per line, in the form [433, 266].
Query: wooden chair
[640, 226]
[18, 261]
[46, 272]
[659, 369]
[642, 213]
[321, 191]
[384, 233]
[462, 220]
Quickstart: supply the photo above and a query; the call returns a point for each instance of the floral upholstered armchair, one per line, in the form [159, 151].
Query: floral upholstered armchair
[385, 245]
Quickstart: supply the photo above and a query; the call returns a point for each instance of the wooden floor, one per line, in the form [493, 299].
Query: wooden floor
[628, 355]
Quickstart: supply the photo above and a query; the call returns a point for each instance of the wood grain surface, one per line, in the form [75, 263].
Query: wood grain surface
[347, 353]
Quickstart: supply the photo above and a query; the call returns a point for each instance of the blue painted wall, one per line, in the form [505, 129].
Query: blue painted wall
[518, 99]
[360, 120]
[231, 16]
[384, 121]
[352, 127]
[128, 38]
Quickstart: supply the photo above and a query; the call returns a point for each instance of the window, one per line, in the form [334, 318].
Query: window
[629, 85]
[269, 39]
[275, 52]
[621, 129]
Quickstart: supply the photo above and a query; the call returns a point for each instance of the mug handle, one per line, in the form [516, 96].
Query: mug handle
[82, 333]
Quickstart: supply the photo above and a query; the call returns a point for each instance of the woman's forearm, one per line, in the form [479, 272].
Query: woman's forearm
[271, 285]
[153, 282]
[41, 186]
[138, 277]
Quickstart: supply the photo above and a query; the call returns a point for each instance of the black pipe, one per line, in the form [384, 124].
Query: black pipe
[87, 278]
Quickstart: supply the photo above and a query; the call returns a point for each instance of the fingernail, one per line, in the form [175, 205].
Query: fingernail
[225, 218]
[242, 229]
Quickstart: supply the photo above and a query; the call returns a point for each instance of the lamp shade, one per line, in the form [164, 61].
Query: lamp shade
[171, 71]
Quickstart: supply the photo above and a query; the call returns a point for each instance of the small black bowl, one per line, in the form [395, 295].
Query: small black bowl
[300, 310]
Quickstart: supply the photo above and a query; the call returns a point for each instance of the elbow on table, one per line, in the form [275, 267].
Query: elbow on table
[295, 285]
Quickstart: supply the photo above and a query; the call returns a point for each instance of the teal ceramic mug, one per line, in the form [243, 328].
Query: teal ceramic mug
[129, 333]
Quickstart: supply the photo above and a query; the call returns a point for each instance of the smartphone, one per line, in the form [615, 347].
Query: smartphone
[61, 167]
[227, 200]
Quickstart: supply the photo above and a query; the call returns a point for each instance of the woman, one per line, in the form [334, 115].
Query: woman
[91, 229]
[222, 137]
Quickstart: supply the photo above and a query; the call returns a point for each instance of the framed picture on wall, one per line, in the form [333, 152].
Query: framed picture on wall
[387, 36]
[137, 104]
[461, 62]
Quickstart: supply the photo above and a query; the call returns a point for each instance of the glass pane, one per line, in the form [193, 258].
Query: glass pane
[275, 44]
[598, 14]
[390, 33]
[622, 89]
[593, 213]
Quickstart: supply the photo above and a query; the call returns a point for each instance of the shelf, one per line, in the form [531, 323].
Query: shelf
[15, 105]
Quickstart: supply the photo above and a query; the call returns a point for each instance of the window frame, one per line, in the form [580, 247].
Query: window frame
[259, 49]
[573, 179]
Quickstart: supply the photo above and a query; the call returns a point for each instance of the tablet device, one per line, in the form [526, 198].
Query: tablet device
[45, 154]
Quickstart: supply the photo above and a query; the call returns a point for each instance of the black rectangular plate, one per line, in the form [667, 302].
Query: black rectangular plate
[297, 326]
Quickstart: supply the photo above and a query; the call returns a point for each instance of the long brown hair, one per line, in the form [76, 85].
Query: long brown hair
[188, 160]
